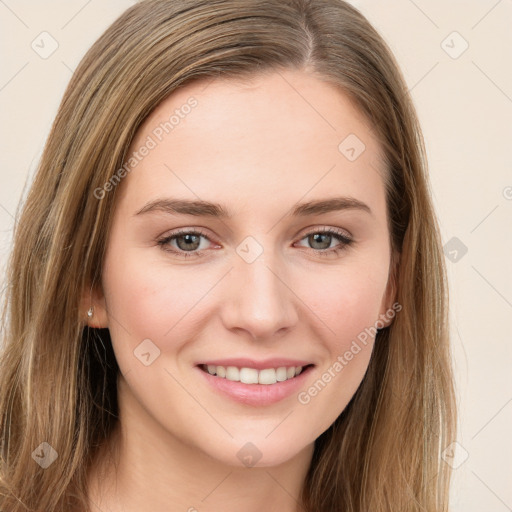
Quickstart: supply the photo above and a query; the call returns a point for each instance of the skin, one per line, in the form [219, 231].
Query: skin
[257, 148]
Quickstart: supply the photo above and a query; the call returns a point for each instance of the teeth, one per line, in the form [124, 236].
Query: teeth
[281, 374]
[253, 376]
[267, 376]
[249, 375]
[232, 373]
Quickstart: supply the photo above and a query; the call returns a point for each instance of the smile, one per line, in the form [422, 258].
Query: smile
[254, 387]
[247, 375]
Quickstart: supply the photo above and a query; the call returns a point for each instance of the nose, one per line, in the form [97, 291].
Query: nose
[258, 299]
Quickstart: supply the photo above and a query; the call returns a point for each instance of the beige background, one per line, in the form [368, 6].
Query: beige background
[465, 107]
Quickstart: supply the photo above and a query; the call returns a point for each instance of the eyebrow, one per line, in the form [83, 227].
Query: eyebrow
[201, 208]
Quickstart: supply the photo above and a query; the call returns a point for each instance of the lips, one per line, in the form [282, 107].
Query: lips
[256, 395]
[256, 383]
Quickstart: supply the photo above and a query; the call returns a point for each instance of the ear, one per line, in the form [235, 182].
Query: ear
[95, 298]
[390, 295]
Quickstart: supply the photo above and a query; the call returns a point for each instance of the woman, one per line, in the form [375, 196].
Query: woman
[227, 288]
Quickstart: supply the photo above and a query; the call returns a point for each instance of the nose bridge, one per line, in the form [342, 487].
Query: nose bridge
[260, 302]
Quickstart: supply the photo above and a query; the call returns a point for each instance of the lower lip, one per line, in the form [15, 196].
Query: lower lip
[256, 394]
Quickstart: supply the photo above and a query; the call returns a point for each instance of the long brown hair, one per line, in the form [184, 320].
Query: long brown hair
[58, 377]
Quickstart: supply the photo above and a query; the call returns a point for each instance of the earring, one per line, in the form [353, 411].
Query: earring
[90, 312]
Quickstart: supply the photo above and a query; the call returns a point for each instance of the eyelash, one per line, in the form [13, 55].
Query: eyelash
[339, 235]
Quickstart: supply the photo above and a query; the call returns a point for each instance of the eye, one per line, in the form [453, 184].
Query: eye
[187, 243]
[321, 240]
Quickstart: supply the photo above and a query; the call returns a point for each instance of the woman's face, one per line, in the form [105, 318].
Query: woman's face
[185, 285]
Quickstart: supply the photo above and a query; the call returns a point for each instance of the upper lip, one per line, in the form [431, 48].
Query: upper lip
[243, 362]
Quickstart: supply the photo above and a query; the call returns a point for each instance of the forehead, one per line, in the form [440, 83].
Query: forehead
[281, 135]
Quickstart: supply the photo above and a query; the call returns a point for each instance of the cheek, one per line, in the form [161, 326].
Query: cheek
[349, 306]
[347, 301]
[147, 301]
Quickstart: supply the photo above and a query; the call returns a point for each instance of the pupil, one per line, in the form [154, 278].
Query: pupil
[189, 239]
[316, 236]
